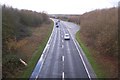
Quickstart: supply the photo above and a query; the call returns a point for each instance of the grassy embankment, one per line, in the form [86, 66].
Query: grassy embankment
[38, 53]
[99, 38]
[24, 35]
[90, 58]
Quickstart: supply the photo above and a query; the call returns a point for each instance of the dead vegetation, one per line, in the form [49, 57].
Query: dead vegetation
[29, 45]
[26, 48]
[22, 33]
[99, 32]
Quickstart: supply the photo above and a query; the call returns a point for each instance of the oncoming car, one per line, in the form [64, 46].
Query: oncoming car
[66, 37]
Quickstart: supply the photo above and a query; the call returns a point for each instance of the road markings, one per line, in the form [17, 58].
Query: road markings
[36, 77]
[40, 62]
[62, 40]
[75, 42]
[62, 46]
[83, 61]
[63, 75]
[63, 58]
[45, 49]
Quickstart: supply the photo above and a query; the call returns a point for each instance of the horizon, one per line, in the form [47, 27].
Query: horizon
[60, 6]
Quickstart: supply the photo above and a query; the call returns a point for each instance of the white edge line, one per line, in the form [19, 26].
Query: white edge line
[83, 61]
[44, 52]
[80, 56]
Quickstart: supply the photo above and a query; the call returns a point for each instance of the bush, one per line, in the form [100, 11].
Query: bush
[16, 25]
[99, 27]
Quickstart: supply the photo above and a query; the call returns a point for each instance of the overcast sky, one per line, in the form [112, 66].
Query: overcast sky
[61, 6]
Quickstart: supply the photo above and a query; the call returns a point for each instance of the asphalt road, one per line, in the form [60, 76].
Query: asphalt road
[63, 58]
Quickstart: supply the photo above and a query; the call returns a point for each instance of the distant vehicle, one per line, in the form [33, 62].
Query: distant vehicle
[57, 26]
[56, 23]
[66, 37]
[59, 20]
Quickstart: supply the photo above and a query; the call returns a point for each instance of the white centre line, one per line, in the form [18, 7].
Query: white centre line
[63, 58]
[63, 75]
[62, 40]
[62, 46]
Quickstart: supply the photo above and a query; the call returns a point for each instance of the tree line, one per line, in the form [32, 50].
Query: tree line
[16, 25]
[99, 28]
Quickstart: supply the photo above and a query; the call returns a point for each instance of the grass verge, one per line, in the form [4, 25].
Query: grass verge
[36, 56]
[96, 67]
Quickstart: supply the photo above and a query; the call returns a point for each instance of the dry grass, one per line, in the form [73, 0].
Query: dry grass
[19, 40]
[108, 64]
[29, 45]
[75, 19]
[99, 32]
[25, 49]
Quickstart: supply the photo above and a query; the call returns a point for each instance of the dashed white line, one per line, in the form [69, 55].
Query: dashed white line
[81, 56]
[62, 40]
[63, 58]
[36, 77]
[62, 46]
[63, 75]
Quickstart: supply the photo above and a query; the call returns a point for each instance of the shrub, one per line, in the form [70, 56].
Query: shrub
[16, 25]
[100, 28]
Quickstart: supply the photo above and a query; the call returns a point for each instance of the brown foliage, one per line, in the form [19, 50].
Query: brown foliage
[99, 30]
[27, 46]
[75, 19]
[18, 40]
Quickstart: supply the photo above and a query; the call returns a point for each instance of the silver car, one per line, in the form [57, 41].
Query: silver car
[66, 37]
